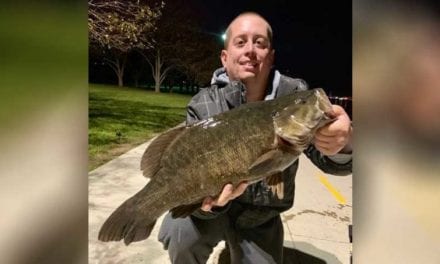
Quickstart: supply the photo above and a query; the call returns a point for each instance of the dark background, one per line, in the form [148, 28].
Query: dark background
[312, 39]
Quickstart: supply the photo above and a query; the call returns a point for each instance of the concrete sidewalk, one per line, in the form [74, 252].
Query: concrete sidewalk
[316, 228]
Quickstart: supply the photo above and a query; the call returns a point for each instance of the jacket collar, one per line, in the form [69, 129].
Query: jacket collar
[235, 91]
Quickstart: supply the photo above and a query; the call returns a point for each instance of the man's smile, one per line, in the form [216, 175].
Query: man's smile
[249, 65]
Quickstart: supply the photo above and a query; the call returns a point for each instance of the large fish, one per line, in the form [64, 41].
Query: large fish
[255, 141]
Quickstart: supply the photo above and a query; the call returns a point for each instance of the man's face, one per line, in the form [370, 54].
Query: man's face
[248, 56]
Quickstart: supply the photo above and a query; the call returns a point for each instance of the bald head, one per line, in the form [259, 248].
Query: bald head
[239, 19]
[248, 54]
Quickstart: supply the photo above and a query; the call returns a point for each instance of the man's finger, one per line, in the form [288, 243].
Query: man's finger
[324, 138]
[207, 204]
[329, 130]
[338, 110]
[224, 197]
[322, 144]
[323, 149]
[239, 190]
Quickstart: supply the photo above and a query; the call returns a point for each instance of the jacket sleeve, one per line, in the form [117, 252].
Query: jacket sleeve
[339, 164]
[193, 111]
[215, 212]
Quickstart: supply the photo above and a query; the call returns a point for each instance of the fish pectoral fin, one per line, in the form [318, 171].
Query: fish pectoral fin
[150, 162]
[185, 210]
[276, 184]
[271, 162]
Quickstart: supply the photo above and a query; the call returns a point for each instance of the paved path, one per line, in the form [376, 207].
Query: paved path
[316, 228]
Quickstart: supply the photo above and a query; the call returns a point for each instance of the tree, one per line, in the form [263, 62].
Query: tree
[118, 27]
[158, 70]
[167, 41]
[180, 46]
[201, 59]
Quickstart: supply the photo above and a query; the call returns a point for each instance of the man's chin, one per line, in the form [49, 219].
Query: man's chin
[247, 76]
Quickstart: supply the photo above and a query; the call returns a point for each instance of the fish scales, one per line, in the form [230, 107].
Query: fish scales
[247, 143]
[228, 154]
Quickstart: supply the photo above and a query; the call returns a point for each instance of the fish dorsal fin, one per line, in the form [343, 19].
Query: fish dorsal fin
[150, 162]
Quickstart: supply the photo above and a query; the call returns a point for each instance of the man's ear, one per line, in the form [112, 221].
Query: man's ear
[223, 57]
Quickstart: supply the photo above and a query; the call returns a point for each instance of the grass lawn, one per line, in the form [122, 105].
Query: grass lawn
[122, 118]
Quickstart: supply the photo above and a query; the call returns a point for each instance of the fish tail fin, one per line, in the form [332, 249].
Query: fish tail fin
[139, 232]
[123, 225]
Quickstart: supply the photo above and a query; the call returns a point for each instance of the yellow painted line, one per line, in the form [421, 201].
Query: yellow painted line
[338, 196]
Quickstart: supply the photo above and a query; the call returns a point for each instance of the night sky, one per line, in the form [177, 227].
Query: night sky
[312, 39]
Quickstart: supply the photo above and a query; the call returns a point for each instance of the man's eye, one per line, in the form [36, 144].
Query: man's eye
[239, 43]
[261, 43]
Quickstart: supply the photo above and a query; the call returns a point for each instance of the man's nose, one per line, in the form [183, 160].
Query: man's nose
[249, 48]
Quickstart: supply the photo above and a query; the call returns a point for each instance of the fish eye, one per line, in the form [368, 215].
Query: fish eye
[300, 101]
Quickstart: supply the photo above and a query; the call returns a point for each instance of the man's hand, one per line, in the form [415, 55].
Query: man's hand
[335, 136]
[228, 193]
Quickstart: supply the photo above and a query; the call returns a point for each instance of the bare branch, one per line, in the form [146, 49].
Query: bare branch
[164, 74]
[122, 25]
[112, 64]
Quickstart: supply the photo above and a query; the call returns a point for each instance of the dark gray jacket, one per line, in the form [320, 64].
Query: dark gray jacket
[257, 204]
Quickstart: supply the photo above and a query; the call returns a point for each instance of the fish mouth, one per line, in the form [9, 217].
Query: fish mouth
[293, 143]
[287, 145]
[284, 142]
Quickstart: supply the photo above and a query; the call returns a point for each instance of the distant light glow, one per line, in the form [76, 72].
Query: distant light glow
[224, 36]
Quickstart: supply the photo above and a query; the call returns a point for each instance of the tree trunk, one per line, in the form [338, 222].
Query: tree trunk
[157, 67]
[158, 75]
[120, 80]
[118, 66]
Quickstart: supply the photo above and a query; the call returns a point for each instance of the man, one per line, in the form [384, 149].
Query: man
[247, 216]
